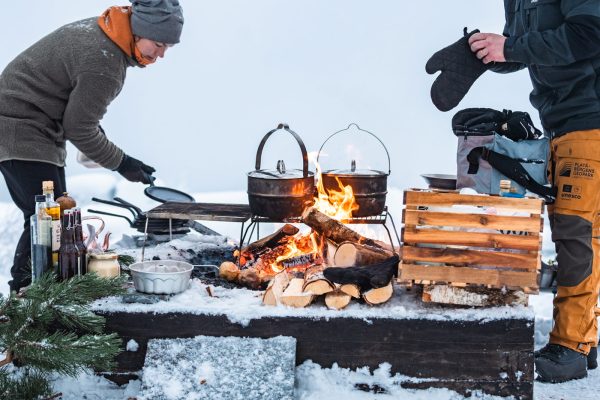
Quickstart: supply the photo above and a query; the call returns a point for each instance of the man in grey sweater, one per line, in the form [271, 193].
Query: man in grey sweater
[59, 89]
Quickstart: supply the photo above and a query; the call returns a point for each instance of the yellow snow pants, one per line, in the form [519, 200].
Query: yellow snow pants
[575, 222]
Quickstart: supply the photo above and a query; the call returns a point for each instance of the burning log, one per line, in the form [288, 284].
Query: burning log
[337, 300]
[353, 254]
[278, 284]
[315, 282]
[301, 261]
[332, 229]
[379, 295]
[281, 236]
[366, 277]
[293, 295]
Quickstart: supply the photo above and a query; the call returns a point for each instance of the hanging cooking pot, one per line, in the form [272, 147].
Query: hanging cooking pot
[281, 193]
[368, 185]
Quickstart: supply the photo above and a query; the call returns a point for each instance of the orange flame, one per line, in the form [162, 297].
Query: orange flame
[338, 205]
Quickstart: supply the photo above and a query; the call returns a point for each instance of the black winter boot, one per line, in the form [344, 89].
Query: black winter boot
[460, 68]
[592, 358]
[555, 363]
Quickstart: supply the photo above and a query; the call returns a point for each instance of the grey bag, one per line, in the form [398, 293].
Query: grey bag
[531, 154]
[479, 128]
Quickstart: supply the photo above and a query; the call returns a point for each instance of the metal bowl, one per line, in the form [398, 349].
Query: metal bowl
[440, 181]
[161, 276]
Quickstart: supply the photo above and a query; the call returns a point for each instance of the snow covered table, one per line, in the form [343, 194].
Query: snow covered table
[490, 350]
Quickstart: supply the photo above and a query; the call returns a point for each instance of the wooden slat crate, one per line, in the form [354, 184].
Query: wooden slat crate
[471, 240]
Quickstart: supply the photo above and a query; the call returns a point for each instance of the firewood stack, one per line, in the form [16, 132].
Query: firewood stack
[350, 266]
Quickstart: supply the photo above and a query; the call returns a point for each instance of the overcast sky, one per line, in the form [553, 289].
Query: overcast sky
[243, 66]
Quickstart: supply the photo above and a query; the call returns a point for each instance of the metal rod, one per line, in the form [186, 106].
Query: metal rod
[170, 229]
[145, 237]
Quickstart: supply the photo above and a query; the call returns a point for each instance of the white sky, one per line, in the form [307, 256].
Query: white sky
[243, 66]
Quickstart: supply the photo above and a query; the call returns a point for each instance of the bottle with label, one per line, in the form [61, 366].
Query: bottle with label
[53, 210]
[79, 240]
[41, 239]
[69, 259]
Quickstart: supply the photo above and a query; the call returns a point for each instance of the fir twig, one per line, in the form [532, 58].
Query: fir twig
[25, 385]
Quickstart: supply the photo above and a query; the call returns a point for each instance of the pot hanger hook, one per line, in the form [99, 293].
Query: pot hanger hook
[362, 130]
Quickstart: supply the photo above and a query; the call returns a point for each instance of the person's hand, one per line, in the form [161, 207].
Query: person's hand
[136, 171]
[488, 47]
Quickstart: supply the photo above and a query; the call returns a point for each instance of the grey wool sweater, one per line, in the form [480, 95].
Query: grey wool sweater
[59, 89]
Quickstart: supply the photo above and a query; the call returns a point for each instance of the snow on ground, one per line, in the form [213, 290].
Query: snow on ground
[312, 381]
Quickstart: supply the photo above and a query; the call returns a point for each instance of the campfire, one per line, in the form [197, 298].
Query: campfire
[328, 259]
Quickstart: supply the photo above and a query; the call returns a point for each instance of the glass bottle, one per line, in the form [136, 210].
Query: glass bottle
[41, 239]
[53, 210]
[79, 240]
[68, 255]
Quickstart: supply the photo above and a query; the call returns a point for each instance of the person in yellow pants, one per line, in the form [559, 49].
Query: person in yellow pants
[557, 41]
[575, 222]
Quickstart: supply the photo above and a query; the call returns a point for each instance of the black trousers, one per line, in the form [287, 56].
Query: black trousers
[24, 181]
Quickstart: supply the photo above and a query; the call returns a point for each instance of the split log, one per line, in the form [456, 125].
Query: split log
[315, 282]
[350, 289]
[249, 278]
[293, 295]
[271, 241]
[472, 296]
[278, 284]
[366, 277]
[329, 249]
[379, 295]
[350, 254]
[332, 229]
[229, 271]
[337, 300]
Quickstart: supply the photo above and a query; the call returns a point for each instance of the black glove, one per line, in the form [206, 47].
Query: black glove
[460, 69]
[136, 171]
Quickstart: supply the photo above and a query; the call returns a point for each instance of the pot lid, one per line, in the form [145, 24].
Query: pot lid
[280, 173]
[274, 174]
[355, 172]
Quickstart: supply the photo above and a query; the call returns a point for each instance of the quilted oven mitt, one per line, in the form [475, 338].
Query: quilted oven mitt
[460, 68]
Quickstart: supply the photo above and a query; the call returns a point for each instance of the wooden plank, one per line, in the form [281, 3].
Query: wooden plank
[471, 239]
[493, 277]
[202, 211]
[470, 258]
[424, 198]
[464, 220]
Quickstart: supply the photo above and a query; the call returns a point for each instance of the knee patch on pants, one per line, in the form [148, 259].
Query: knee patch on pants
[574, 246]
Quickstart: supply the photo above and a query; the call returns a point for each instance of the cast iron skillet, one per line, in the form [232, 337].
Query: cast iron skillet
[164, 194]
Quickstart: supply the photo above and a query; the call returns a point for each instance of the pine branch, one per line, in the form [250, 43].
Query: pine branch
[26, 385]
[66, 353]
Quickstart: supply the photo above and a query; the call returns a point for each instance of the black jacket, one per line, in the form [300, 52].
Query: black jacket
[559, 41]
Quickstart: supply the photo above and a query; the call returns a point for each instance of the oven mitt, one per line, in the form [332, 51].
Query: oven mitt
[136, 171]
[460, 68]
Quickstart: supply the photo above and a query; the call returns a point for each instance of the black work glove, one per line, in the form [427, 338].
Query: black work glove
[460, 69]
[136, 171]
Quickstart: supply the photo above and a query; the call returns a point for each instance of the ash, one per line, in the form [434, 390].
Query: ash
[219, 368]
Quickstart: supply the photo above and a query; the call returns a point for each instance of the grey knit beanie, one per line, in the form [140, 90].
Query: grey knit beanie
[158, 20]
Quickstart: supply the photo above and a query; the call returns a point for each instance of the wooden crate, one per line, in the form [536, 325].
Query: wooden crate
[456, 239]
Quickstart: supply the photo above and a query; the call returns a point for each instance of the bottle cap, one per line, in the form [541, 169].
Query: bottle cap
[47, 185]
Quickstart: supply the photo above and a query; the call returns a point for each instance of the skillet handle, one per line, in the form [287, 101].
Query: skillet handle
[298, 139]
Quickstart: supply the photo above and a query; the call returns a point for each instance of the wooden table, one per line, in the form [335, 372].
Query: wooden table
[490, 355]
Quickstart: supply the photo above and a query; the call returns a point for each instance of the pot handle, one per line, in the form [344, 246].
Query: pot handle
[359, 128]
[298, 139]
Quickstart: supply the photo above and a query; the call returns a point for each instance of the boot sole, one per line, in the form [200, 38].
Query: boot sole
[549, 371]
